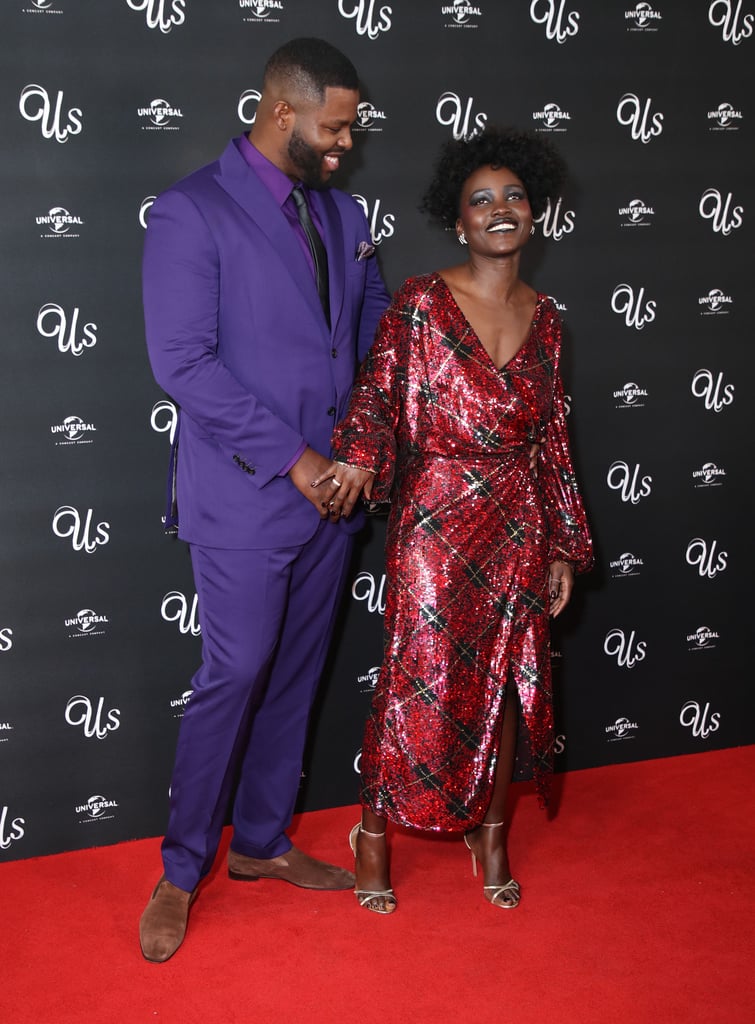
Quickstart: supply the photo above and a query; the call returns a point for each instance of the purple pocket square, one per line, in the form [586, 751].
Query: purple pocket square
[364, 251]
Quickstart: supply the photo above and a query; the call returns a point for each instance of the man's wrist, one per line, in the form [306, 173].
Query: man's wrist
[292, 462]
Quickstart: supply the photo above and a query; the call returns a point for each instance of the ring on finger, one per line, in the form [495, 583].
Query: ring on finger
[336, 483]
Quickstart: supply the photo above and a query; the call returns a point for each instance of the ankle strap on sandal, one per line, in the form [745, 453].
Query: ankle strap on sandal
[372, 835]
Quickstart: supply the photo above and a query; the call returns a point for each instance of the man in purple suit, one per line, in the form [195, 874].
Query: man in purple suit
[260, 299]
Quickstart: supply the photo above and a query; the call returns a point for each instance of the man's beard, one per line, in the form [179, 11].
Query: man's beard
[307, 161]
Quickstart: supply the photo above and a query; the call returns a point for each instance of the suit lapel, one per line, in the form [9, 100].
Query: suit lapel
[237, 179]
[333, 230]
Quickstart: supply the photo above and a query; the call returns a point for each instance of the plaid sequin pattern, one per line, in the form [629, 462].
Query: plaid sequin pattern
[471, 533]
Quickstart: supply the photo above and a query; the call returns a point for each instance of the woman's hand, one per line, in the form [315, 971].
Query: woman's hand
[346, 484]
[534, 452]
[560, 586]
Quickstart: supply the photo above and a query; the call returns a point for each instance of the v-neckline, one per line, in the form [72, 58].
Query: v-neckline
[475, 335]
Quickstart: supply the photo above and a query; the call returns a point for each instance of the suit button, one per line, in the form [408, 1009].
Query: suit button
[250, 470]
[332, 411]
[334, 352]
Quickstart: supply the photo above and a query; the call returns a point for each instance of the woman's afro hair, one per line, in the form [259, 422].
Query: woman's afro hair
[531, 158]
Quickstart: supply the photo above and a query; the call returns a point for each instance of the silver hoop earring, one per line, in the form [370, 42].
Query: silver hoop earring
[462, 238]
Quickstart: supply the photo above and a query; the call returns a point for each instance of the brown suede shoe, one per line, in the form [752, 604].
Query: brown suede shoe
[163, 924]
[295, 867]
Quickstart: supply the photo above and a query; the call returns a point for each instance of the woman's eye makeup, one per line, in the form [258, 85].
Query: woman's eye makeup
[514, 195]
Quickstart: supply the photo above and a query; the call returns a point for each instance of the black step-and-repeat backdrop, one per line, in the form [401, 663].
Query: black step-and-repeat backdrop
[648, 253]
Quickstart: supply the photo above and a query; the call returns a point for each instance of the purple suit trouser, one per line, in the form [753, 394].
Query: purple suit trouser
[267, 617]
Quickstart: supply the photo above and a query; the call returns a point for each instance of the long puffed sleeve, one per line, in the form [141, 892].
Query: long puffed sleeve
[570, 539]
[366, 437]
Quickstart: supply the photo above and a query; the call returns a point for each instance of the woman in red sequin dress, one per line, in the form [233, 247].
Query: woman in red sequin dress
[485, 532]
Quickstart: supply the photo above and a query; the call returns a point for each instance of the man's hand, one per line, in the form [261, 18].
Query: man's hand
[308, 466]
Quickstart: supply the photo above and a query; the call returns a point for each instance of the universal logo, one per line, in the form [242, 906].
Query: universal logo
[87, 623]
[622, 729]
[366, 588]
[452, 111]
[247, 106]
[633, 307]
[626, 564]
[259, 10]
[369, 19]
[643, 124]
[10, 830]
[73, 430]
[357, 763]
[724, 116]
[368, 681]
[712, 390]
[95, 807]
[6, 639]
[178, 705]
[164, 419]
[626, 649]
[560, 306]
[699, 720]
[718, 209]
[727, 15]
[555, 223]
[706, 556]
[95, 721]
[560, 23]
[161, 14]
[629, 396]
[702, 639]
[59, 223]
[637, 214]
[553, 118]
[382, 226]
[53, 322]
[713, 303]
[84, 534]
[643, 18]
[42, 7]
[461, 14]
[708, 475]
[177, 608]
[367, 115]
[35, 104]
[627, 481]
[5, 728]
[160, 114]
[559, 743]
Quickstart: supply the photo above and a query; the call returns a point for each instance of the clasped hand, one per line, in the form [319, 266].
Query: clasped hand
[346, 484]
[332, 487]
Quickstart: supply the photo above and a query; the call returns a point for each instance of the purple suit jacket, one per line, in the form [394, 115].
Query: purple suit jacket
[236, 336]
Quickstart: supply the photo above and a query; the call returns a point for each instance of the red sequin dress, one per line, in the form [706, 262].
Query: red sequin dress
[470, 537]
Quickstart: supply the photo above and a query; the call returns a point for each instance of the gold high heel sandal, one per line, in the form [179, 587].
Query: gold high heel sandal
[505, 896]
[367, 896]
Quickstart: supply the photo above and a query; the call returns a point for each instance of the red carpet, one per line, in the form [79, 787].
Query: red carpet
[638, 906]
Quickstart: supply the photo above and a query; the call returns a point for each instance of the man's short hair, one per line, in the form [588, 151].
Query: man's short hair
[307, 67]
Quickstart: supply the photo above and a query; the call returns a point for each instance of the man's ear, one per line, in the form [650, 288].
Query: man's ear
[283, 115]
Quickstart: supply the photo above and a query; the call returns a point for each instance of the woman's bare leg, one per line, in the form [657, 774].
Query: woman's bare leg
[489, 844]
